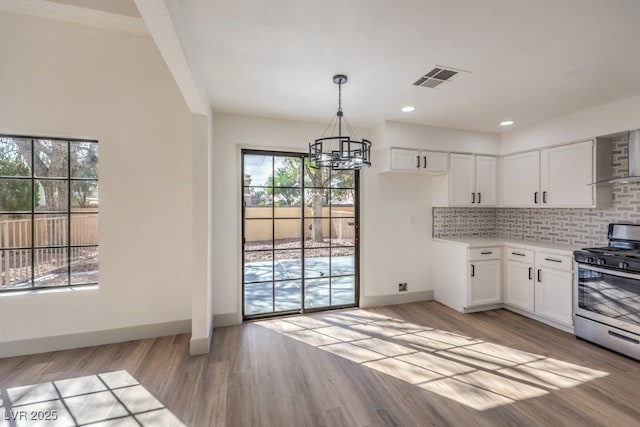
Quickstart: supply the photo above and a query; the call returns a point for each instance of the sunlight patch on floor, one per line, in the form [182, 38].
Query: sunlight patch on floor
[112, 398]
[473, 372]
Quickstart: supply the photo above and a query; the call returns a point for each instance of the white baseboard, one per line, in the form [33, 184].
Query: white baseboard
[198, 346]
[89, 339]
[393, 299]
[226, 319]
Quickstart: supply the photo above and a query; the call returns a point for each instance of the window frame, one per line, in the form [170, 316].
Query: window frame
[68, 247]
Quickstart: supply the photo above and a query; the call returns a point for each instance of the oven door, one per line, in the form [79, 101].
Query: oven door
[608, 296]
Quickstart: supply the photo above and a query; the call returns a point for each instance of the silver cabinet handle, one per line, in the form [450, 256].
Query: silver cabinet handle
[517, 253]
[486, 253]
[553, 260]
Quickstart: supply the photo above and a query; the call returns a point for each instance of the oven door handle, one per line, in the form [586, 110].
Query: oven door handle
[609, 271]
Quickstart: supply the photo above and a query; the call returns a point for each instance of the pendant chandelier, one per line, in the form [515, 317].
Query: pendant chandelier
[342, 151]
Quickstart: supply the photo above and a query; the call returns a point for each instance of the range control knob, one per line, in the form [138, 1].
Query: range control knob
[600, 261]
[623, 264]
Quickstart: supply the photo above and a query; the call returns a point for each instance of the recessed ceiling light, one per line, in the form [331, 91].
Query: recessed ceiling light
[408, 109]
[506, 123]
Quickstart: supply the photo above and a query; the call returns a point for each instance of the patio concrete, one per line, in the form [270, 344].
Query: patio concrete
[326, 284]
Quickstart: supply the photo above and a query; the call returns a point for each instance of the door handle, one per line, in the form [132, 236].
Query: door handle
[417, 161]
[535, 197]
[544, 197]
[473, 270]
[479, 197]
[530, 273]
[473, 197]
[539, 278]
[425, 161]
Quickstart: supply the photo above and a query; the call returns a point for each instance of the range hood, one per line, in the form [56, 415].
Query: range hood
[633, 175]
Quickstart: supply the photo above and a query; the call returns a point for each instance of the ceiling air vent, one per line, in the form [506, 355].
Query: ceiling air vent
[436, 77]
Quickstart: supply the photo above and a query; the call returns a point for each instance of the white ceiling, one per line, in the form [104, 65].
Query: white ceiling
[529, 60]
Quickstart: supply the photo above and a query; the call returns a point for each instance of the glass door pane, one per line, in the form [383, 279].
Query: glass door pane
[299, 235]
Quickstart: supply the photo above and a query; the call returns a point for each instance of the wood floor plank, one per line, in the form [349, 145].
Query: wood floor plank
[351, 368]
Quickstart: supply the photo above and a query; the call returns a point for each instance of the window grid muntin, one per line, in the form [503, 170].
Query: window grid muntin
[68, 213]
[330, 188]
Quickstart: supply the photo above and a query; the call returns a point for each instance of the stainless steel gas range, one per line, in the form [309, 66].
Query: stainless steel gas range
[607, 291]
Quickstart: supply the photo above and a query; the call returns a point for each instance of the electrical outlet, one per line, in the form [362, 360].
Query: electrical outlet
[402, 287]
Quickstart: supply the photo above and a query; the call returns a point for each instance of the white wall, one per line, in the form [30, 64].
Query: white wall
[407, 135]
[397, 206]
[605, 119]
[65, 80]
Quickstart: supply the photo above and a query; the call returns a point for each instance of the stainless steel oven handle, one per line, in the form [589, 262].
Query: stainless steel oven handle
[608, 271]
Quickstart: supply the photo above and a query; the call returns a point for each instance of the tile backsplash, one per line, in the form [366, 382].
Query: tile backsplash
[581, 227]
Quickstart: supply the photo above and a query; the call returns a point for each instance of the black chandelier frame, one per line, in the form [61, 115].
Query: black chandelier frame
[342, 152]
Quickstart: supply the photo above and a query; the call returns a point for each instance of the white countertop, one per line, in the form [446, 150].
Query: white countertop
[475, 242]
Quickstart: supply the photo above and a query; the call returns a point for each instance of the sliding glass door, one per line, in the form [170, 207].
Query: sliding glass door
[300, 247]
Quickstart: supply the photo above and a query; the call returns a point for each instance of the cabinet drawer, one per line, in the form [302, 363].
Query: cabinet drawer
[555, 261]
[520, 255]
[477, 254]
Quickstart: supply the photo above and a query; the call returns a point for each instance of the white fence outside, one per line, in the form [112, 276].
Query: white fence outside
[16, 263]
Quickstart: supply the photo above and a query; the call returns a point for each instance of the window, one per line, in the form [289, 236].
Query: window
[48, 213]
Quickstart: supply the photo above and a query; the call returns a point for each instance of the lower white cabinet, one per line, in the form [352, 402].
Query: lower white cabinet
[484, 283]
[519, 289]
[554, 288]
[467, 279]
[540, 282]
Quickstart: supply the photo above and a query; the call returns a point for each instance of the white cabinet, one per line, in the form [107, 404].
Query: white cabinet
[408, 160]
[558, 176]
[539, 282]
[471, 182]
[486, 181]
[565, 175]
[519, 278]
[467, 279]
[554, 291]
[521, 179]
[461, 179]
[484, 283]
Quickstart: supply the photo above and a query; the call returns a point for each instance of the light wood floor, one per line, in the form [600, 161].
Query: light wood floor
[408, 365]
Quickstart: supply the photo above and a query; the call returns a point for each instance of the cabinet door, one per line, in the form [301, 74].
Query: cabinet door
[461, 179]
[434, 162]
[484, 283]
[521, 179]
[554, 295]
[486, 181]
[406, 160]
[520, 285]
[565, 175]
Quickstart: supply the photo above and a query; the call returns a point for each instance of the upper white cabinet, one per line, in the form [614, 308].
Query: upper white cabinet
[521, 179]
[565, 175]
[408, 160]
[471, 182]
[558, 176]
